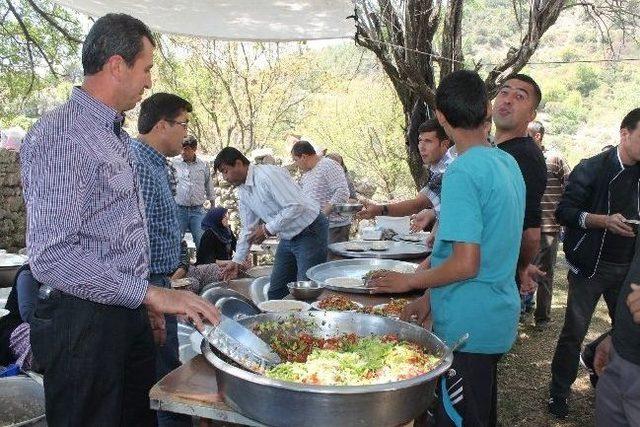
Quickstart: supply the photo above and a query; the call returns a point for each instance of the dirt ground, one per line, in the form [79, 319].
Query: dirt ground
[525, 372]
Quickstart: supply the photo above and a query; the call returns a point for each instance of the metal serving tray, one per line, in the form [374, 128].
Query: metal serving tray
[397, 250]
[355, 268]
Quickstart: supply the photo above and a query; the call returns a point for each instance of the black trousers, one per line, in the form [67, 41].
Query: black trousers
[468, 393]
[581, 302]
[98, 362]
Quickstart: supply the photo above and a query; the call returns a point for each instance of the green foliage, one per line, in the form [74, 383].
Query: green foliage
[365, 127]
[252, 95]
[245, 94]
[28, 61]
[588, 79]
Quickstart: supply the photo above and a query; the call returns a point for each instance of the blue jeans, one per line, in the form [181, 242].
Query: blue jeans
[294, 257]
[190, 218]
[168, 359]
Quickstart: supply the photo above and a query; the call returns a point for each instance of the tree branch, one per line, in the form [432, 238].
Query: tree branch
[53, 23]
[542, 15]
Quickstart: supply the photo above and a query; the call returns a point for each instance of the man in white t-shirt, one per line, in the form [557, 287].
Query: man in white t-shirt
[324, 181]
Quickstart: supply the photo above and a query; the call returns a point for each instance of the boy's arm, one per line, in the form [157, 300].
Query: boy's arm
[463, 264]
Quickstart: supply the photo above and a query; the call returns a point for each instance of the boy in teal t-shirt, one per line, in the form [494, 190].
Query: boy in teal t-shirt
[471, 279]
[482, 204]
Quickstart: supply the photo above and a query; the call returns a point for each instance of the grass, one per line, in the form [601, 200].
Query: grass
[525, 372]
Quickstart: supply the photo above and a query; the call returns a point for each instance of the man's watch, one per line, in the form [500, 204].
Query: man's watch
[385, 210]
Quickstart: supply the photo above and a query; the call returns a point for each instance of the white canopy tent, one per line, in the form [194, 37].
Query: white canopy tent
[250, 20]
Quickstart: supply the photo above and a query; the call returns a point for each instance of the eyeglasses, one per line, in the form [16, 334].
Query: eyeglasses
[185, 125]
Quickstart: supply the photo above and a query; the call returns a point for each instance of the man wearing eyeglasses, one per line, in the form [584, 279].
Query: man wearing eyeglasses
[194, 187]
[162, 128]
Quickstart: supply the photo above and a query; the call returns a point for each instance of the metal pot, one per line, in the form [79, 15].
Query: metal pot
[259, 289]
[22, 402]
[283, 403]
[305, 290]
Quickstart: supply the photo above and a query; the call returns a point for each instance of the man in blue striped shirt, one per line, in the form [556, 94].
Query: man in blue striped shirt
[86, 234]
[271, 203]
[162, 126]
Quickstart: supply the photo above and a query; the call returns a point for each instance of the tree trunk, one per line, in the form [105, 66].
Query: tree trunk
[413, 120]
[402, 40]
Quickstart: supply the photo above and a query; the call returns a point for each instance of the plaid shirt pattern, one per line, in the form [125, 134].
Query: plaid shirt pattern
[86, 227]
[160, 208]
[433, 189]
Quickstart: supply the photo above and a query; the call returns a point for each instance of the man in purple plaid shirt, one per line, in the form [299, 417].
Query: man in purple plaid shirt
[93, 328]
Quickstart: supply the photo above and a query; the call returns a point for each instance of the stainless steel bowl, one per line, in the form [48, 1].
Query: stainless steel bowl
[259, 289]
[305, 290]
[283, 403]
[347, 208]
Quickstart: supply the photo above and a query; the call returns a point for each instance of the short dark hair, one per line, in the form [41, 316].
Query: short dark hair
[113, 34]
[160, 106]
[527, 79]
[432, 125]
[190, 141]
[537, 127]
[462, 98]
[302, 147]
[631, 120]
[228, 156]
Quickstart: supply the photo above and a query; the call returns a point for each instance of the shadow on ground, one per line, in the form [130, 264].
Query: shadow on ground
[524, 373]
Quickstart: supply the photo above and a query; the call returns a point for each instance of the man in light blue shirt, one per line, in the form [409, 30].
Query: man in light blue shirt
[473, 264]
[270, 204]
[194, 187]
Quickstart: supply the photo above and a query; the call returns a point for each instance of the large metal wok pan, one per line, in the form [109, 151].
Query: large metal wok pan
[283, 403]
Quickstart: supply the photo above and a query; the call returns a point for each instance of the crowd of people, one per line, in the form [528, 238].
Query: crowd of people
[107, 215]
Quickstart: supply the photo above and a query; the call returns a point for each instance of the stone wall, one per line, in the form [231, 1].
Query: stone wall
[12, 210]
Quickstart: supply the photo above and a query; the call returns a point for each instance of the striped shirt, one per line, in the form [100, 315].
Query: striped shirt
[160, 208]
[270, 194]
[86, 231]
[557, 175]
[326, 183]
[433, 189]
[194, 185]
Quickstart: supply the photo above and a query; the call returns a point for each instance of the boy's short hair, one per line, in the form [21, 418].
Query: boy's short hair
[462, 98]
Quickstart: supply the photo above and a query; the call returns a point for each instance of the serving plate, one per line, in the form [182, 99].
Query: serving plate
[396, 250]
[355, 268]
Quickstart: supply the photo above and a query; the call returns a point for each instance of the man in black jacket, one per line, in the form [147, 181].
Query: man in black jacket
[601, 197]
[617, 359]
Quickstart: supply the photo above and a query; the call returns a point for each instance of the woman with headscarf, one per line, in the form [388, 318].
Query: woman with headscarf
[218, 241]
